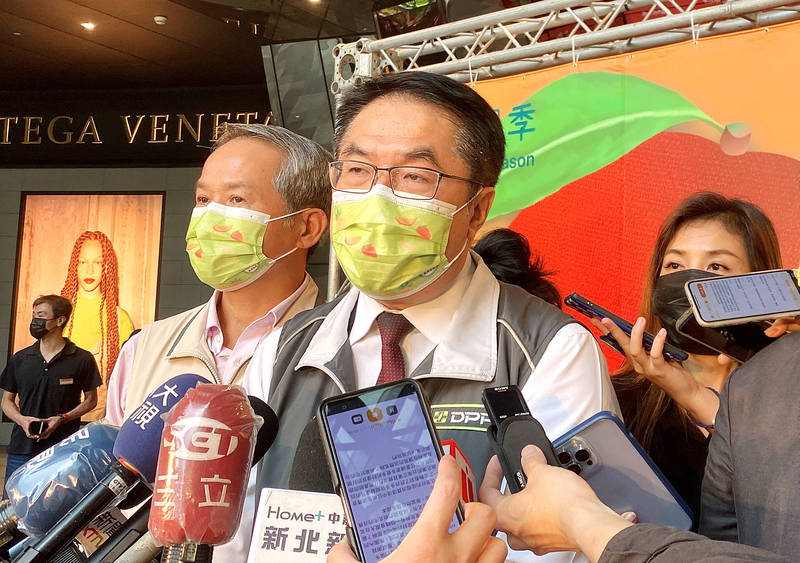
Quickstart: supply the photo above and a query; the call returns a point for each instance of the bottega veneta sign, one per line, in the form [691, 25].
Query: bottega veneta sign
[126, 128]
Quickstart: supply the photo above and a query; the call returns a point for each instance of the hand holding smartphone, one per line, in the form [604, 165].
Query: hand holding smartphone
[747, 298]
[594, 311]
[37, 427]
[383, 452]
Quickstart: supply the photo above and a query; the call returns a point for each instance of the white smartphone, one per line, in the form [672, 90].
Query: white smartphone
[733, 300]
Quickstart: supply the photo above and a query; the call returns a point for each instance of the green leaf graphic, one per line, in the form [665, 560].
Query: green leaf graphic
[577, 125]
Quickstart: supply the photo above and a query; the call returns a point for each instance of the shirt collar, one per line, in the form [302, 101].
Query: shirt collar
[467, 347]
[428, 317]
[214, 336]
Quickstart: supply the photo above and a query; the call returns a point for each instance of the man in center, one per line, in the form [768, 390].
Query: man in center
[417, 156]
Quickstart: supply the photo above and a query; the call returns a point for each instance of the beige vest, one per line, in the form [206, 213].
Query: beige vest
[177, 345]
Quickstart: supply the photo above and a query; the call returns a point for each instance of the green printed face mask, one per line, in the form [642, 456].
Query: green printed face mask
[225, 245]
[390, 247]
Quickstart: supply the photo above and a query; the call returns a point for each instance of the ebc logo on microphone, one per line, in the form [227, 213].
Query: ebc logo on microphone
[197, 438]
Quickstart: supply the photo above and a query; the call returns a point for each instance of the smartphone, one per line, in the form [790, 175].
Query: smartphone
[611, 461]
[740, 342]
[732, 300]
[38, 427]
[506, 404]
[594, 311]
[383, 453]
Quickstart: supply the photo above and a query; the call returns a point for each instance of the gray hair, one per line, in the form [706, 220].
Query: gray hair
[302, 180]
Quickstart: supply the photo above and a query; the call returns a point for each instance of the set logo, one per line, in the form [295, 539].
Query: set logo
[197, 438]
[374, 415]
[357, 419]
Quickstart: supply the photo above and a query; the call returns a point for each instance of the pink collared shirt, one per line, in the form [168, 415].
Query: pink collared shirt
[227, 360]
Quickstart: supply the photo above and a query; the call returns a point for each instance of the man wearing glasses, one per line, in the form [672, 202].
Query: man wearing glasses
[417, 158]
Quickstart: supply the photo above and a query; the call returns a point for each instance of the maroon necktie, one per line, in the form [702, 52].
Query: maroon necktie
[393, 327]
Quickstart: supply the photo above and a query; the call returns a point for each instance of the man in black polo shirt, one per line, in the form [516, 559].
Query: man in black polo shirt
[48, 378]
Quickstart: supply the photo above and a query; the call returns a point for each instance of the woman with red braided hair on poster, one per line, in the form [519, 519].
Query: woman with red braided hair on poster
[92, 286]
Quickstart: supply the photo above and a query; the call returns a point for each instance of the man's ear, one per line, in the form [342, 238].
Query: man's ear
[313, 223]
[61, 321]
[480, 210]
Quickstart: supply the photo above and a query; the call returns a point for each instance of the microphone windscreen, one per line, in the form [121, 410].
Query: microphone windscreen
[268, 430]
[204, 467]
[140, 435]
[47, 486]
[310, 467]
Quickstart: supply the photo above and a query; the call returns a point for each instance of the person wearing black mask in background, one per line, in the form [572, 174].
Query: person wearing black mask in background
[670, 407]
[48, 378]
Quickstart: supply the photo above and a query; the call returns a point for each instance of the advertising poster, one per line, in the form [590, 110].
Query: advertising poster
[100, 251]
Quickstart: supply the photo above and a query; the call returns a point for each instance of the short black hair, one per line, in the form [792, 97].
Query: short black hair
[61, 306]
[479, 139]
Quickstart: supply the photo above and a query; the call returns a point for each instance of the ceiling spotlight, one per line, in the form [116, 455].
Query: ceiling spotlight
[16, 33]
[160, 20]
[88, 26]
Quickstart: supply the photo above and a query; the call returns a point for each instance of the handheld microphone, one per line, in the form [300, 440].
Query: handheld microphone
[48, 485]
[310, 466]
[203, 469]
[133, 543]
[136, 449]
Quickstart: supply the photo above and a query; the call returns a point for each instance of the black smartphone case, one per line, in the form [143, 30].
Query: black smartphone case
[507, 442]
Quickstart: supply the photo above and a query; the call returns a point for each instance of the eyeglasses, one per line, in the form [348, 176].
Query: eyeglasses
[410, 182]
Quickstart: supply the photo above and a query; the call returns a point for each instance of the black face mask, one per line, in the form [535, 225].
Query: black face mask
[670, 302]
[38, 329]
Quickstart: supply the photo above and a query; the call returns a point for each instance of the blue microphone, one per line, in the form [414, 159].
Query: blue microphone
[136, 451]
[44, 488]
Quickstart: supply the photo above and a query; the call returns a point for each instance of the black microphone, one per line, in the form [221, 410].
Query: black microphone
[310, 466]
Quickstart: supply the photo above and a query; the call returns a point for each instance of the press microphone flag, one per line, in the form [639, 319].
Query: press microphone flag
[203, 469]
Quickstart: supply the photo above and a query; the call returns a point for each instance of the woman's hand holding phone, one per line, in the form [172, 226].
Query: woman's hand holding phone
[677, 382]
[429, 540]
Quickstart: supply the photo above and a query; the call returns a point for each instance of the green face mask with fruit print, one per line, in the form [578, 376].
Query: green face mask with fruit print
[391, 247]
[225, 245]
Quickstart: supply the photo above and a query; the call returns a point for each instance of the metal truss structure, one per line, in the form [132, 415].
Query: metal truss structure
[521, 39]
[544, 34]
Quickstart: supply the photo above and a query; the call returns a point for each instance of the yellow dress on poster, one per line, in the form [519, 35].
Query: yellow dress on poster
[92, 286]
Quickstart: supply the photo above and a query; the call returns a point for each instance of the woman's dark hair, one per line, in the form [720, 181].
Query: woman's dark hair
[508, 255]
[479, 139]
[763, 253]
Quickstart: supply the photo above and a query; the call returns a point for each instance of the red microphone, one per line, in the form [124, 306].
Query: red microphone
[203, 468]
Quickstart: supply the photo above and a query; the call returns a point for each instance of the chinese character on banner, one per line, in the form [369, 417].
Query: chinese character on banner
[521, 117]
[302, 526]
[307, 538]
[333, 539]
[274, 538]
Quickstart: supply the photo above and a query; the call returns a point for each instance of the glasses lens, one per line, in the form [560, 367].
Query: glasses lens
[350, 176]
[414, 183]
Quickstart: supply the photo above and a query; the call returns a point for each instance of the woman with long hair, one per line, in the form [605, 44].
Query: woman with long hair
[98, 323]
[669, 406]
